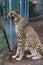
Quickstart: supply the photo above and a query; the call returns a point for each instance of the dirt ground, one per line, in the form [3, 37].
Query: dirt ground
[23, 62]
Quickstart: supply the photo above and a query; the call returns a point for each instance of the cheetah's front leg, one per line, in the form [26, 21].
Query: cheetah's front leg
[17, 54]
[20, 56]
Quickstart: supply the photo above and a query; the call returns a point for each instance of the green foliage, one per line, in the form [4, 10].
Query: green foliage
[1, 10]
[3, 7]
[2, 43]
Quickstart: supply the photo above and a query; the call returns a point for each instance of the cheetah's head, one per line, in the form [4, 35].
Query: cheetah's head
[13, 15]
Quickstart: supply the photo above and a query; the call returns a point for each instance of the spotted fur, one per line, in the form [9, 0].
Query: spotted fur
[26, 37]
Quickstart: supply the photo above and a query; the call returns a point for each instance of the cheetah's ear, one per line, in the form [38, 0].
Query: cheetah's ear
[17, 12]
